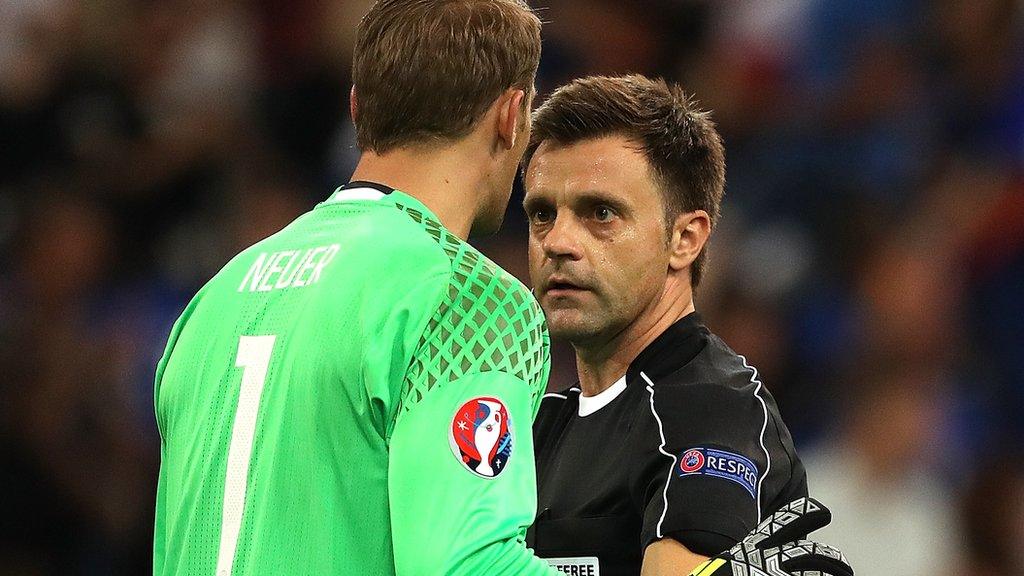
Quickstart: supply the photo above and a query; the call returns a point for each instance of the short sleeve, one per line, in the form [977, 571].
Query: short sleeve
[716, 459]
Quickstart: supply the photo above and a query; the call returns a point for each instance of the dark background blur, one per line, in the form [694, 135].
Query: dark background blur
[870, 261]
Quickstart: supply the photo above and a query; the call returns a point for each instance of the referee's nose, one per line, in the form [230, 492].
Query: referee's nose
[562, 241]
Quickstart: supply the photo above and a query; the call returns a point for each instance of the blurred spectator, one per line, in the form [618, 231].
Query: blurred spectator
[891, 515]
[992, 512]
[77, 471]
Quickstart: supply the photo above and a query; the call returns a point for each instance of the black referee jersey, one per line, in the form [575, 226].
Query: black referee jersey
[688, 445]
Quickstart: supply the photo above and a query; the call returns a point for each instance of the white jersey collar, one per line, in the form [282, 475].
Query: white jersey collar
[591, 404]
[348, 194]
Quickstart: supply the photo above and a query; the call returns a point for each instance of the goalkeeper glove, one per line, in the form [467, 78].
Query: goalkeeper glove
[777, 548]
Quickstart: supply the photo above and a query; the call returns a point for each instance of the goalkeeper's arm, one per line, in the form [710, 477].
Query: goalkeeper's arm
[446, 518]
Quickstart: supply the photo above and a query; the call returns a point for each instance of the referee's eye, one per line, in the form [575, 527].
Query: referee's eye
[604, 214]
[541, 217]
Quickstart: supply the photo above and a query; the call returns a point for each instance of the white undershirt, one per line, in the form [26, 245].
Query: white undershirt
[591, 404]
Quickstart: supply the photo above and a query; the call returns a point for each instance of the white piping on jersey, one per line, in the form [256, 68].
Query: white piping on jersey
[768, 457]
[356, 194]
[562, 396]
[668, 477]
[591, 404]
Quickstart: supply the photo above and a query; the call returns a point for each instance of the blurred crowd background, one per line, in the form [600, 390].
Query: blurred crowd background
[870, 261]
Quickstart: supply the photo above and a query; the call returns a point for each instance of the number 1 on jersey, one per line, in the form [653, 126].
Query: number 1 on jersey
[254, 358]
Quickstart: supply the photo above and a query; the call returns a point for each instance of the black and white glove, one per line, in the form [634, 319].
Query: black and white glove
[777, 547]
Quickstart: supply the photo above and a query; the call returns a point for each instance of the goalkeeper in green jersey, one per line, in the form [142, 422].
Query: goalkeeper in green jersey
[354, 394]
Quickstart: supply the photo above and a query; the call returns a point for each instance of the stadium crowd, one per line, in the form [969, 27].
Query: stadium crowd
[870, 259]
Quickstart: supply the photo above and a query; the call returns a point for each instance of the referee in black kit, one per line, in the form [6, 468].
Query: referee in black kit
[670, 449]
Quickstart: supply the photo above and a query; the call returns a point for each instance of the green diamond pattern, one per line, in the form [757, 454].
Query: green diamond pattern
[488, 321]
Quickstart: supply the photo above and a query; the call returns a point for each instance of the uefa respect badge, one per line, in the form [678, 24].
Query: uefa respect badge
[481, 436]
[720, 464]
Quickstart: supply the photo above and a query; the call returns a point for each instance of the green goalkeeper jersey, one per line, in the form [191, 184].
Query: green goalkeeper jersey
[353, 395]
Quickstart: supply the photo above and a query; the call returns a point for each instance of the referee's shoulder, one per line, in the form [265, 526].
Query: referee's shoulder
[563, 395]
[557, 401]
[718, 373]
[556, 409]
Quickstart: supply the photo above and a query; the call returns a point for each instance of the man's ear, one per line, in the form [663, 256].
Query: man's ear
[690, 232]
[353, 106]
[510, 111]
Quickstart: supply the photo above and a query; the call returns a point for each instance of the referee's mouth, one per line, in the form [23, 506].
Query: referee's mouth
[560, 286]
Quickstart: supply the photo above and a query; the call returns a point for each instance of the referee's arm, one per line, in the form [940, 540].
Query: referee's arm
[718, 460]
[669, 558]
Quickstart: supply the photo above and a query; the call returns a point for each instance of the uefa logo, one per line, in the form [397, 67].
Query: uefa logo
[692, 461]
[481, 436]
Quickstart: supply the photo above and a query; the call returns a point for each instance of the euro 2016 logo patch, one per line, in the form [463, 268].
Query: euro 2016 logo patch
[721, 464]
[481, 436]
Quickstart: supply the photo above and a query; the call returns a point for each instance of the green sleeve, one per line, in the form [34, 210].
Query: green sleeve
[161, 366]
[160, 525]
[160, 528]
[446, 518]
[457, 506]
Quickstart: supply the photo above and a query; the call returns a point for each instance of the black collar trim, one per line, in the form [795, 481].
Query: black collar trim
[383, 189]
[676, 347]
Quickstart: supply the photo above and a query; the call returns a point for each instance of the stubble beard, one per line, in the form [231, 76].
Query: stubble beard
[580, 327]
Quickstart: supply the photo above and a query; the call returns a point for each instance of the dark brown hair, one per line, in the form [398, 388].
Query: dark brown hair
[679, 140]
[427, 70]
